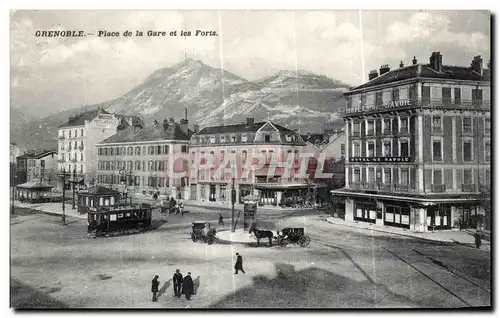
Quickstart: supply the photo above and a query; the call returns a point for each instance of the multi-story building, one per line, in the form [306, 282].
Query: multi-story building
[146, 159]
[14, 152]
[42, 166]
[78, 137]
[242, 143]
[418, 146]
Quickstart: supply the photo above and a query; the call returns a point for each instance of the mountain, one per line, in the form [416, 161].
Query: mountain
[296, 99]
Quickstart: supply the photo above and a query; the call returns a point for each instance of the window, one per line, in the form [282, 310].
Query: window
[404, 148]
[457, 98]
[487, 125]
[446, 95]
[387, 175]
[395, 94]
[233, 139]
[267, 138]
[371, 174]
[244, 138]
[467, 125]
[356, 175]
[437, 124]
[81, 132]
[467, 150]
[487, 150]
[363, 100]
[437, 150]
[403, 177]
[166, 149]
[81, 144]
[184, 149]
[468, 176]
[371, 149]
[123, 152]
[387, 125]
[387, 148]
[222, 191]
[137, 151]
[244, 156]
[412, 92]
[378, 98]
[70, 134]
[437, 176]
[356, 150]
[212, 139]
[356, 129]
[100, 152]
[111, 151]
[81, 156]
[76, 144]
[158, 150]
[130, 151]
[222, 139]
[403, 124]
[370, 127]
[477, 97]
[426, 95]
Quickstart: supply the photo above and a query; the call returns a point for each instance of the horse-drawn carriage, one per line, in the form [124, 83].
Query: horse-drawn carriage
[294, 235]
[201, 231]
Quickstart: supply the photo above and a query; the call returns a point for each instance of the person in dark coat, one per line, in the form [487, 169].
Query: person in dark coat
[477, 238]
[177, 283]
[221, 220]
[239, 264]
[154, 287]
[188, 286]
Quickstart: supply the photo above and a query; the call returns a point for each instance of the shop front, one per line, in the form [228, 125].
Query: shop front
[397, 215]
[365, 212]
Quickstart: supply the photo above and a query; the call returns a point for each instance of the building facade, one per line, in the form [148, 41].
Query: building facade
[78, 137]
[418, 146]
[146, 159]
[219, 153]
[42, 166]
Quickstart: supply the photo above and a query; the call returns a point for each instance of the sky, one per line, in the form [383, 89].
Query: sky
[56, 73]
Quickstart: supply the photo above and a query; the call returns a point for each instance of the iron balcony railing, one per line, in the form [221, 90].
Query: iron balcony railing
[468, 188]
[424, 103]
[438, 188]
[383, 187]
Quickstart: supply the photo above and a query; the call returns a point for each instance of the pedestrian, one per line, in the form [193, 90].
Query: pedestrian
[221, 220]
[154, 287]
[477, 238]
[188, 286]
[239, 264]
[177, 279]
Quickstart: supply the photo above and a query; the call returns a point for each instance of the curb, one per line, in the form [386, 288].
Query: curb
[400, 234]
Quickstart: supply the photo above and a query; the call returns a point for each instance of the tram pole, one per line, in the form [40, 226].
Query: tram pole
[233, 199]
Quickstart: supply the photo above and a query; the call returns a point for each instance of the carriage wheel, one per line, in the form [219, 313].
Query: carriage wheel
[283, 243]
[193, 237]
[304, 241]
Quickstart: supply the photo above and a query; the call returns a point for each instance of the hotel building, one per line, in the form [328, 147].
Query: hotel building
[418, 146]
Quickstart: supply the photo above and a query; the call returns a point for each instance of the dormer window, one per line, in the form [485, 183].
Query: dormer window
[267, 138]
[212, 139]
[244, 138]
[288, 138]
[222, 139]
[233, 138]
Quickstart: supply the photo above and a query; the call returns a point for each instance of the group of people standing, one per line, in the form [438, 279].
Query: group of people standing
[170, 205]
[182, 285]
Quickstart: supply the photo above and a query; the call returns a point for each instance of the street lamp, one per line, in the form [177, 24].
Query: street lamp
[63, 177]
[73, 181]
[124, 179]
[233, 201]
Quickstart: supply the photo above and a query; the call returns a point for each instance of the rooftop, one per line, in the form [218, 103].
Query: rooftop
[37, 154]
[79, 120]
[149, 133]
[244, 127]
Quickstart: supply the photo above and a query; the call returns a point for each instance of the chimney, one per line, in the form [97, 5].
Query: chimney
[250, 121]
[185, 113]
[184, 126]
[71, 118]
[414, 61]
[477, 64]
[436, 61]
[373, 74]
[401, 64]
[165, 124]
[384, 69]
[196, 128]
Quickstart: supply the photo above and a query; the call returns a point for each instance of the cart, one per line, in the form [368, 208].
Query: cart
[295, 236]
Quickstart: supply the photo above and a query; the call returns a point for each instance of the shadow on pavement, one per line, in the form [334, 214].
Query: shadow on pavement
[312, 288]
[23, 296]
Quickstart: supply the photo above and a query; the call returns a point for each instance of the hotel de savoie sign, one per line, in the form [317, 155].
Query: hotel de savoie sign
[380, 159]
[392, 104]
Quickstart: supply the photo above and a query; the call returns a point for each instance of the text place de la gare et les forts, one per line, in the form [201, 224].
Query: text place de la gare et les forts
[126, 33]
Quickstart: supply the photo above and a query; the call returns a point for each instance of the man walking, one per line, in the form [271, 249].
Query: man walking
[188, 286]
[239, 264]
[154, 287]
[221, 220]
[177, 283]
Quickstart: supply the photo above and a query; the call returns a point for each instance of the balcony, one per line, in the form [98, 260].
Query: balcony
[419, 103]
[62, 137]
[383, 187]
[468, 188]
[438, 188]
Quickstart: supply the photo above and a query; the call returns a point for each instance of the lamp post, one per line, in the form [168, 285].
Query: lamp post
[233, 200]
[73, 181]
[63, 177]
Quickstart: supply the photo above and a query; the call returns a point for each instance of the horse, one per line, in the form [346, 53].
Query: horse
[261, 234]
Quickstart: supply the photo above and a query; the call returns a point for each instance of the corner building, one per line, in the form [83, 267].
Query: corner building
[418, 146]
